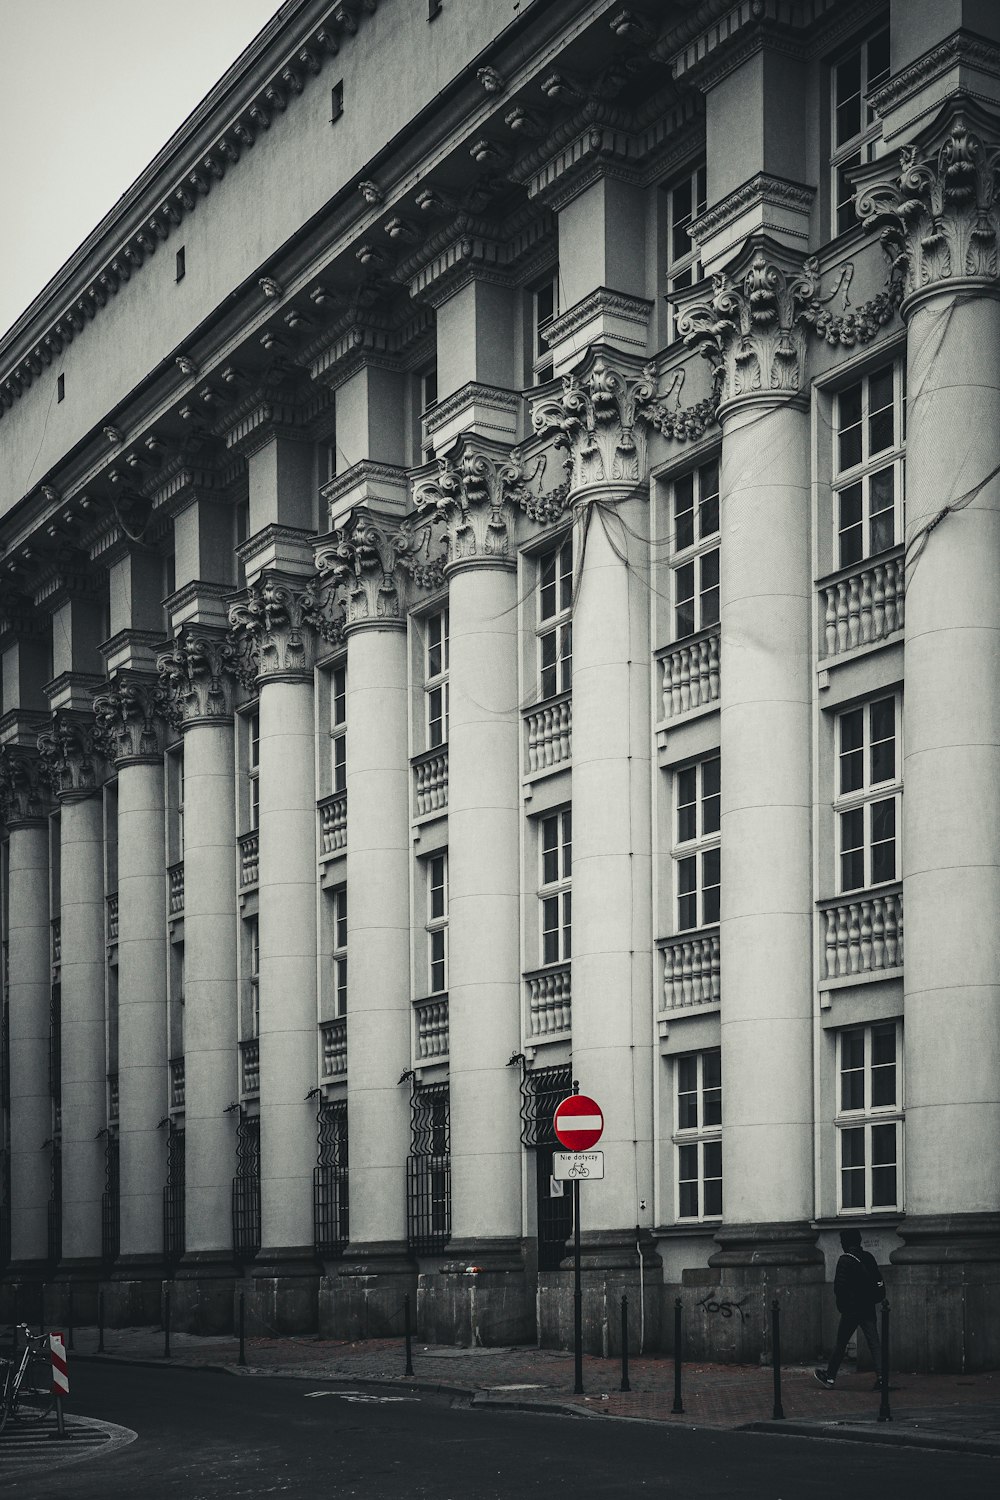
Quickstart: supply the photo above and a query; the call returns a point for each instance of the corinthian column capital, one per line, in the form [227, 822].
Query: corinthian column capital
[475, 498]
[73, 761]
[375, 562]
[276, 625]
[24, 797]
[935, 206]
[600, 417]
[197, 675]
[130, 714]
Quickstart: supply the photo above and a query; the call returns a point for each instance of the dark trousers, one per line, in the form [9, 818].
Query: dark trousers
[848, 1322]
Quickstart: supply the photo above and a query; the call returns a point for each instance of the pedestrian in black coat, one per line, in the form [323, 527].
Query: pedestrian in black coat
[858, 1288]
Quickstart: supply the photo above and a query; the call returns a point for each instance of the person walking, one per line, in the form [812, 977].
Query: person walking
[858, 1288]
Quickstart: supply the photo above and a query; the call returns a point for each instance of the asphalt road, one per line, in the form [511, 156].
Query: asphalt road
[214, 1437]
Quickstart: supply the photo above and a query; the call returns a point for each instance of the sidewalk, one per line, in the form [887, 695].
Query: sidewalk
[941, 1411]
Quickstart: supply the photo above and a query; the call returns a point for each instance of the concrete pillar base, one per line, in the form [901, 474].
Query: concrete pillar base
[480, 1296]
[133, 1298]
[201, 1299]
[943, 1287]
[765, 1245]
[22, 1291]
[364, 1299]
[282, 1292]
[83, 1275]
[610, 1269]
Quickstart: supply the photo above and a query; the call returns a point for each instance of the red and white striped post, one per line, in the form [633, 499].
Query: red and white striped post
[60, 1376]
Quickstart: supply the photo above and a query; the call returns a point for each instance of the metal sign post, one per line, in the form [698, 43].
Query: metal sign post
[578, 1124]
[60, 1377]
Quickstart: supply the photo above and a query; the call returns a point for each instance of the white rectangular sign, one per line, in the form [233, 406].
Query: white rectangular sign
[578, 1166]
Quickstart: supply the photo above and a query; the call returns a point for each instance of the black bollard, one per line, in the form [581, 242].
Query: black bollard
[884, 1414]
[625, 1385]
[166, 1320]
[100, 1321]
[678, 1407]
[407, 1335]
[69, 1332]
[778, 1414]
[243, 1328]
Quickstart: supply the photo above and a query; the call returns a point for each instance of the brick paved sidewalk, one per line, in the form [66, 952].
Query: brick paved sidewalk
[941, 1410]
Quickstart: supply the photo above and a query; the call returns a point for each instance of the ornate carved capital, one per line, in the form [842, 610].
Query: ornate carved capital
[23, 787]
[372, 562]
[197, 675]
[601, 419]
[475, 498]
[130, 714]
[936, 209]
[274, 629]
[73, 762]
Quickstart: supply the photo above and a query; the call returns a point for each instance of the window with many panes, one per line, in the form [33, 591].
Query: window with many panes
[698, 1135]
[555, 896]
[253, 769]
[869, 1118]
[855, 130]
[338, 728]
[339, 954]
[437, 923]
[685, 201]
[251, 958]
[696, 550]
[869, 793]
[544, 307]
[868, 466]
[555, 626]
[436, 678]
[697, 856]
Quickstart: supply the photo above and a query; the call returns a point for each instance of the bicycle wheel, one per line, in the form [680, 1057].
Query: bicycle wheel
[33, 1399]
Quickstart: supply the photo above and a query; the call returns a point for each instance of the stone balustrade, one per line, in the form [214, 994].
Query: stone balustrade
[432, 1027]
[56, 941]
[249, 859]
[113, 917]
[430, 775]
[333, 1035]
[333, 824]
[175, 875]
[112, 1098]
[549, 728]
[863, 606]
[690, 674]
[691, 969]
[549, 1009]
[863, 934]
[177, 1083]
[250, 1066]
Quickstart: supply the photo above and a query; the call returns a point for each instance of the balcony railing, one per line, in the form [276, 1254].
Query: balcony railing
[862, 934]
[549, 1009]
[249, 854]
[432, 1027]
[430, 775]
[333, 824]
[56, 941]
[112, 1098]
[690, 675]
[334, 1038]
[113, 917]
[175, 874]
[863, 606]
[691, 969]
[177, 1083]
[550, 733]
[250, 1066]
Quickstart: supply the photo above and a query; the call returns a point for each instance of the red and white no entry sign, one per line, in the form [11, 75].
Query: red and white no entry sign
[578, 1122]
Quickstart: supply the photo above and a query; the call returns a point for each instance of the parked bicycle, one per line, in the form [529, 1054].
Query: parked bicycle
[26, 1380]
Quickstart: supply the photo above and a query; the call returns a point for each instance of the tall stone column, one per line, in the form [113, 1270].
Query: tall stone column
[472, 498]
[601, 415]
[197, 675]
[937, 211]
[277, 616]
[25, 808]
[369, 560]
[766, 752]
[129, 715]
[75, 768]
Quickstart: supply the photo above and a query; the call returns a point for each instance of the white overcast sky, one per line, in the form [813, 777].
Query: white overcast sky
[89, 92]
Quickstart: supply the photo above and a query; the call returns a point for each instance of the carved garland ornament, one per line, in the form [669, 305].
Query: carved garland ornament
[475, 498]
[72, 760]
[370, 561]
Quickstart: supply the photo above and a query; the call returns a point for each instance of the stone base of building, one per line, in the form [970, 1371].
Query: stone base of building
[479, 1296]
[22, 1291]
[363, 1299]
[943, 1288]
[133, 1298]
[202, 1294]
[281, 1293]
[71, 1298]
[612, 1265]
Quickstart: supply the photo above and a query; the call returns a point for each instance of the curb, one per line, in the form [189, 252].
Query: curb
[896, 1439]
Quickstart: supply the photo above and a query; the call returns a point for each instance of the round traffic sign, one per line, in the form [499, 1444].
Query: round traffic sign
[578, 1122]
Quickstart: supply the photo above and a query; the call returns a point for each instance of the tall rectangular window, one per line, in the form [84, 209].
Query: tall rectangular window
[544, 307]
[868, 466]
[436, 678]
[697, 855]
[855, 130]
[698, 1134]
[251, 958]
[869, 1117]
[869, 794]
[338, 728]
[686, 198]
[253, 769]
[340, 951]
[555, 627]
[696, 550]
[554, 887]
[436, 924]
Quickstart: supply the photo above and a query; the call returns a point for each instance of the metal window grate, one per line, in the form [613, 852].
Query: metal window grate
[55, 1205]
[541, 1091]
[331, 1200]
[428, 1170]
[55, 1042]
[246, 1188]
[173, 1198]
[111, 1202]
[4, 1206]
[554, 1214]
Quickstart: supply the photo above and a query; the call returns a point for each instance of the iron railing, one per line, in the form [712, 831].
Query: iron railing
[428, 1170]
[54, 1247]
[111, 1202]
[541, 1090]
[246, 1188]
[331, 1201]
[173, 1198]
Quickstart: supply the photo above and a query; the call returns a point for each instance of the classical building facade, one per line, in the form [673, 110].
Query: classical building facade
[455, 519]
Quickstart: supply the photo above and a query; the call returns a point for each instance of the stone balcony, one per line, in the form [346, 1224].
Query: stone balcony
[431, 1028]
[332, 825]
[175, 886]
[549, 1010]
[430, 781]
[862, 605]
[548, 731]
[689, 675]
[250, 1067]
[861, 934]
[112, 904]
[177, 1093]
[333, 1037]
[691, 969]
[249, 860]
